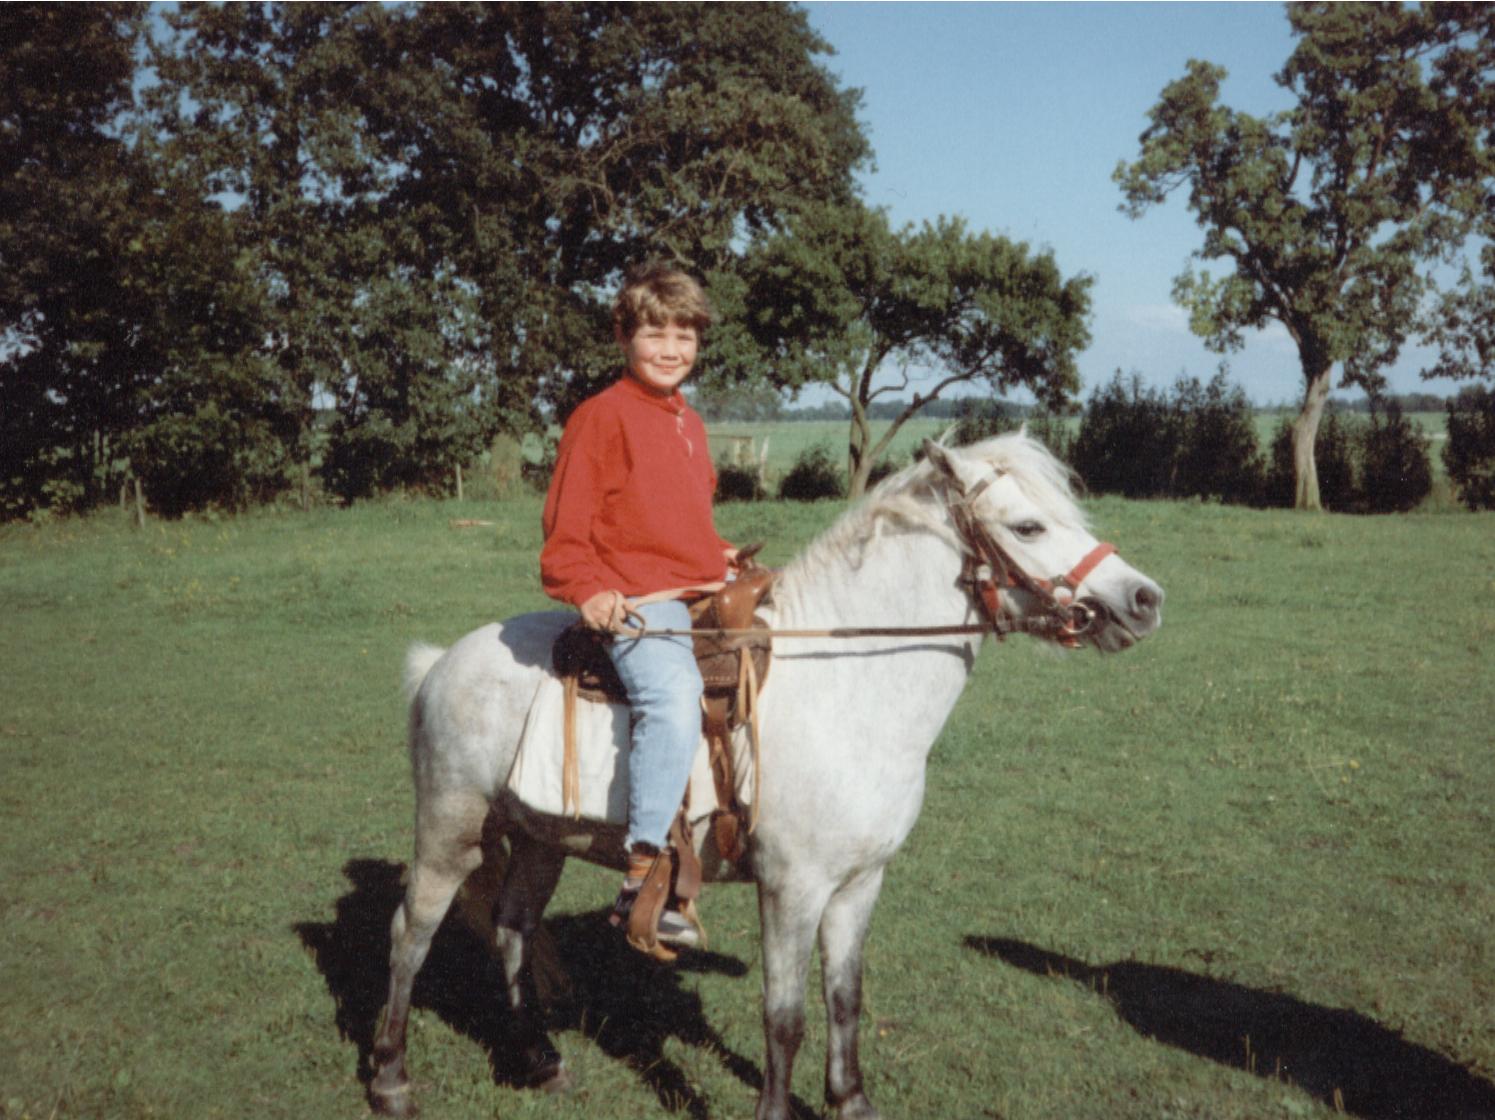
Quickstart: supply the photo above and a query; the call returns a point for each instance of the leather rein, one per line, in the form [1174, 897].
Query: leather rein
[987, 570]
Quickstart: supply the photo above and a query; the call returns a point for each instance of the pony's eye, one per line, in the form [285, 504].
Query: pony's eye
[1028, 530]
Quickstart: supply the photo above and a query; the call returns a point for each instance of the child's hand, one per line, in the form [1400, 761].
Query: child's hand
[603, 611]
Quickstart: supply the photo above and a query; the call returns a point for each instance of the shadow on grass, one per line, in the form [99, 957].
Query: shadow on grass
[1342, 1058]
[626, 1004]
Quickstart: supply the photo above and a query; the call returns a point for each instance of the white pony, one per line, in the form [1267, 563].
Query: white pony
[846, 730]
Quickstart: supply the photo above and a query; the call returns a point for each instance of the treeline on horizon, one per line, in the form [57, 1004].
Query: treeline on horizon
[1200, 440]
[258, 251]
[725, 408]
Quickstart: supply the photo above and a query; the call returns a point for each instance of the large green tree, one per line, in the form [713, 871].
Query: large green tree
[410, 215]
[843, 300]
[210, 423]
[1462, 324]
[269, 108]
[1330, 214]
[575, 140]
[71, 188]
[437, 200]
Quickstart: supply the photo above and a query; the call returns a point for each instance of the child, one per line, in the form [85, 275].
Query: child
[629, 516]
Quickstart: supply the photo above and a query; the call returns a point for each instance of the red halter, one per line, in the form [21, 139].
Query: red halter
[1078, 574]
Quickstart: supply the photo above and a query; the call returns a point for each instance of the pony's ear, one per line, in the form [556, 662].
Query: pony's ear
[944, 461]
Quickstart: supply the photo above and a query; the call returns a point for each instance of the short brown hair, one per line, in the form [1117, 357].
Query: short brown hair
[660, 294]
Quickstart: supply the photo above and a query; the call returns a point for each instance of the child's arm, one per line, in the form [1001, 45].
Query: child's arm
[568, 562]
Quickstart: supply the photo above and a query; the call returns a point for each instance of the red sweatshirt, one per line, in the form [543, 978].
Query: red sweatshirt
[629, 507]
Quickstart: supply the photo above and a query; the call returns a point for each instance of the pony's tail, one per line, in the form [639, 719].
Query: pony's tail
[418, 662]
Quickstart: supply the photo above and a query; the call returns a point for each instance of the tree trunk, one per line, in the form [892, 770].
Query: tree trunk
[857, 484]
[858, 459]
[1305, 432]
[870, 452]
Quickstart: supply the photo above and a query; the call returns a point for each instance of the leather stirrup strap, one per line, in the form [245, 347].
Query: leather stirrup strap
[688, 875]
[570, 765]
[729, 826]
[726, 825]
[687, 871]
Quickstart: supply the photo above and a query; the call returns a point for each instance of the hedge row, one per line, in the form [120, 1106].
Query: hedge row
[1200, 441]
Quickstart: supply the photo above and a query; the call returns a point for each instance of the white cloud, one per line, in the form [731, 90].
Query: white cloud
[1157, 317]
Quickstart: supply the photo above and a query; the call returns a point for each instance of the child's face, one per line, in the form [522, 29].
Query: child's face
[660, 357]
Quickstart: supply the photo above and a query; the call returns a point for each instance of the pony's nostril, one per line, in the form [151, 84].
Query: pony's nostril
[1147, 599]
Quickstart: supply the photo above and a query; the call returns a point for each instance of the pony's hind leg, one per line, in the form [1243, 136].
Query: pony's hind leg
[843, 930]
[447, 850]
[534, 870]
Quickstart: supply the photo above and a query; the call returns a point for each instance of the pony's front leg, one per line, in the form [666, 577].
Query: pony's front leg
[789, 919]
[843, 930]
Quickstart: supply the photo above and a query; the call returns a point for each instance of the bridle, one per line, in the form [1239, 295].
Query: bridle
[988, 569]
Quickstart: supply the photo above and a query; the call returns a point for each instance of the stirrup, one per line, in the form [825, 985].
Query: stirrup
[674, 928]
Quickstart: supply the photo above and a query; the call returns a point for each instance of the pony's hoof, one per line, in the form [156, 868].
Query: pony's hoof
[857, 1108]
[557, 1081]
[396, 1101]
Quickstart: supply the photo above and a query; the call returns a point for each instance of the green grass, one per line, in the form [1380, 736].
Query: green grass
[1223, 875]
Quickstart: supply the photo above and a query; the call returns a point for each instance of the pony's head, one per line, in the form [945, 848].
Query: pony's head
[1014, 507]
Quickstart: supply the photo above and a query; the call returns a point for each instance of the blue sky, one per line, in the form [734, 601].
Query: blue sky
[1015, 115]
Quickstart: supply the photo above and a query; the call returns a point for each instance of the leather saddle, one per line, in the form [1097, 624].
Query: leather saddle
[733, 668]
[582, 653]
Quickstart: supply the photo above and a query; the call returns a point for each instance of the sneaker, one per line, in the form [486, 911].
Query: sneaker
[674, 927]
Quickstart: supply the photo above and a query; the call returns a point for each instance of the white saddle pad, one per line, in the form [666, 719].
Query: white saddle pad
[602, 756]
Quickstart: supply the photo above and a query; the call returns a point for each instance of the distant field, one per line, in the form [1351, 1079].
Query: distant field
[1243, 871]
[1434, 424]
[786, 440]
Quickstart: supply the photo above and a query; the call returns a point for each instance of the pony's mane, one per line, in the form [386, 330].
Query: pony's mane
[910, 500]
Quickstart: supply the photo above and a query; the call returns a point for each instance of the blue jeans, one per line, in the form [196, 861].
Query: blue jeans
[664, 690]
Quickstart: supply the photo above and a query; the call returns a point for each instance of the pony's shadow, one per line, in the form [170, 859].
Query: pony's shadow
[1344, 1059]
[627, 1005]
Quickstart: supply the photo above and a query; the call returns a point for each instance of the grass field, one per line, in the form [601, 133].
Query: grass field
[786, 441]
[1245, 870]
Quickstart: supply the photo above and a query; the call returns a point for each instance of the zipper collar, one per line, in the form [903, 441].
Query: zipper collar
[673, 403]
